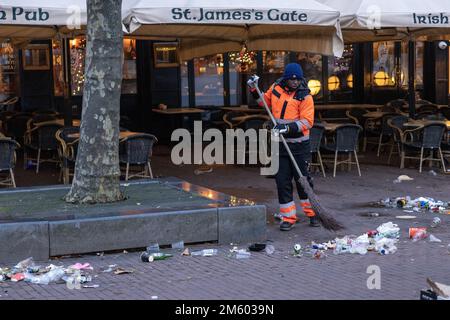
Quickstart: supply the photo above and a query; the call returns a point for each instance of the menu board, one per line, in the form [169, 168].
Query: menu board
[7, 58]
[7, 70]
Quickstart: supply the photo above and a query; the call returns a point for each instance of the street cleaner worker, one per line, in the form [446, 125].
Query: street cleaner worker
[293, 109]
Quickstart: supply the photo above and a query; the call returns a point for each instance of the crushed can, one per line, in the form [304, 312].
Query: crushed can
[436, 221]
[413, 231]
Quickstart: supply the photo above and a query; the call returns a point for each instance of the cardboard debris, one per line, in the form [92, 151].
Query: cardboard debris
[439, 288]
[405, 217]
[123, 271]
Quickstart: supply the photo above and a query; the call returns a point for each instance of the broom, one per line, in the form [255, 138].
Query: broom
[326, 217]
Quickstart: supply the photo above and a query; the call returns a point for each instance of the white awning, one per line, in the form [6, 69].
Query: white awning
[208, 27]
[378, 20]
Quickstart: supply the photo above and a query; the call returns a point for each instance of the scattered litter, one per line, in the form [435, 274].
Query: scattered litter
[373, 214]
[186, 252]
[91, 286]
[125, 251]
[54, 275]
[154, 297]
[436, 221]
[119, 271]
[257, 247]
[178, 245]
[138, 203]
[417, 234]
[150, 257]
[205, 253]
[270, 249]
[203, 170]
[432, 173]
[408, 211]
[417, 205]
[17, 277]
[243, 254]
[79, 266]
[153, 247]
[235, 249]
[434, 239]
[405, 217]
[403, 178]
[110, 268]
[441, 291]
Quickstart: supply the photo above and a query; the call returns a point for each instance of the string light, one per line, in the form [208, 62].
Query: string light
[244, 59]
[77, 57]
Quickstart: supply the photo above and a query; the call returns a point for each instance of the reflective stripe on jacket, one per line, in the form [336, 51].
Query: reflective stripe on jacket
[288, 107]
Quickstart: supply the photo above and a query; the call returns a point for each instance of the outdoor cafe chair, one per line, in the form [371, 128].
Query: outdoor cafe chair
[346, 142]
[38, 118]
[136, 150]
[421, 139]
[398, 104]
[315, 138]
[41, 139]
[386, 132]
[67, 151]
[445, 111]
[428, 108]
[396, 123]
[230, 118]
[16, 126]
[9, 104]
[45, 112]
[356, 115]
[8, 160]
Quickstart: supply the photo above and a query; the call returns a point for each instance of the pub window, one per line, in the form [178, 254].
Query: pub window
[209, 81]
[77, 60]
[312, 70]
[8, 78]
[419, 64]
[273, 66]
[241, 64]
[58, 71]
[77, 57]
[404, 59]
[384, 71]
[340, 76]
[129, 81]
[184, 84]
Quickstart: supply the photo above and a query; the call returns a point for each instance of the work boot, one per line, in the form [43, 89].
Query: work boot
[314, 222]
[286, 226]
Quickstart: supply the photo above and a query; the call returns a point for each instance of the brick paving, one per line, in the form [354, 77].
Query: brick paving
[279, 276]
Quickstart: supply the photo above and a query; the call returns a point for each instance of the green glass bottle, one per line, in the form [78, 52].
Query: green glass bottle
[149, 257]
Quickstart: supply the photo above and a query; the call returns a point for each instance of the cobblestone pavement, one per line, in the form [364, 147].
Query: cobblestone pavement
[280, 275]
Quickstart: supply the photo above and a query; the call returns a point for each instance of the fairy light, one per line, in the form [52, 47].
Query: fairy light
[244, 59]
[77, 57]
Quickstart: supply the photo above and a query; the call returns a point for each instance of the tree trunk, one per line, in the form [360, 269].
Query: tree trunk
[97, 171]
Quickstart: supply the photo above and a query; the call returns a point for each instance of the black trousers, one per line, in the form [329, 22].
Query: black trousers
[287, 172]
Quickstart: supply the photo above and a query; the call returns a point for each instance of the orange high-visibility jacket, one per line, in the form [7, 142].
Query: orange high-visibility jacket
[288, 107]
